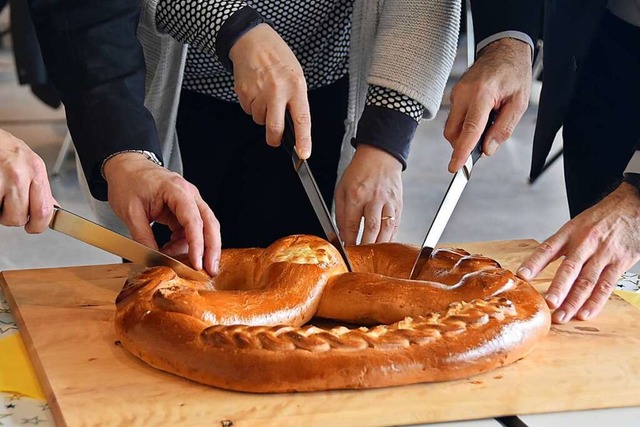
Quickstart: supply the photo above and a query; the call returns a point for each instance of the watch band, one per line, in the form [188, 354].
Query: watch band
[148, 154]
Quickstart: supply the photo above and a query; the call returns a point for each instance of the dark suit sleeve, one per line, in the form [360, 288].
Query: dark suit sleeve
[94, 58]
[495, 16]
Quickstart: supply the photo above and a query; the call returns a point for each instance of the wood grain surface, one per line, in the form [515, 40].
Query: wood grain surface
[65, 316]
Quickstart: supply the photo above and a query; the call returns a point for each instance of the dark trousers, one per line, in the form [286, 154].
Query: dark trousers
[252, 187]
[602, 127]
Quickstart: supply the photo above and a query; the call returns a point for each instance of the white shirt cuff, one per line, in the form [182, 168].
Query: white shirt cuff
[634, 164]
[518, 35]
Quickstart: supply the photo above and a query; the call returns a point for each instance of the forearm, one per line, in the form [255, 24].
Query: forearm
[211, 26]
[508, 51]
[94, 58]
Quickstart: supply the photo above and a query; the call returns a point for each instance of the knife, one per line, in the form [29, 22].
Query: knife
[312, 190]
[101, 237]
[448, 204]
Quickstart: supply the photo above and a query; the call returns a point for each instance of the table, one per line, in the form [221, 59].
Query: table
[17, 409]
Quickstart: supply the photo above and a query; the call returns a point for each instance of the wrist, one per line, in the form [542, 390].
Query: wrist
[632, 182]
[517, 47]
[234, 28]
[245, 43]
[371, 153]
[124, 157]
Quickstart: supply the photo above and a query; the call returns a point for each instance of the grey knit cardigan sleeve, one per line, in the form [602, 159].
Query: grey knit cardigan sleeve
[415, 48]
[405, 45]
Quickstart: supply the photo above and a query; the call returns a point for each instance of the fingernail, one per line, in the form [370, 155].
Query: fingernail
[560, 315]
[304, 153]
[216, 266]
[492, 147]
[524, 273]
[552, 300]
[584, 314]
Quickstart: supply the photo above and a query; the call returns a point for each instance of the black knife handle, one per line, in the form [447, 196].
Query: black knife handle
[477, 150]
[289, 134]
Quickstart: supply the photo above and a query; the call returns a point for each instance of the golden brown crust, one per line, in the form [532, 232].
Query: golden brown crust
[465, 315]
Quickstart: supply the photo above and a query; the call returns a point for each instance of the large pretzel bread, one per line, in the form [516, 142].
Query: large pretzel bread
[248, 329]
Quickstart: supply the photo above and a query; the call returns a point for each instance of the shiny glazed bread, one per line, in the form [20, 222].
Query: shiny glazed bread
[251, 327]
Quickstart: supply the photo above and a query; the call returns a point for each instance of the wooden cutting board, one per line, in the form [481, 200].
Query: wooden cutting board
[65, 316]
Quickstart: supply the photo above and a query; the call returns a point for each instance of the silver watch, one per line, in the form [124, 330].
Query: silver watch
[148, 154]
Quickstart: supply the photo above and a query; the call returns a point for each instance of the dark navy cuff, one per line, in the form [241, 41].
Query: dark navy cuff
[387, 129]
[232, 29]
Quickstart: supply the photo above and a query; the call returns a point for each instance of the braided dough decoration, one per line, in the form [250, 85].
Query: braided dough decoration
[247, 329]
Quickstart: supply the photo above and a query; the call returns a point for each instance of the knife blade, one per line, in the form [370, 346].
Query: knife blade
[89, 232]
[448, 204]
[311, 188]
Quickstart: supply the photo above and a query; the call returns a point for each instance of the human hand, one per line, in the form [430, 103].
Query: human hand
[499, 80]
[25, 194]
[268, 80]
[371, 187]
[598, 246]
[141, 192]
